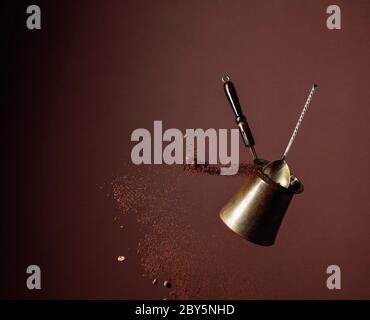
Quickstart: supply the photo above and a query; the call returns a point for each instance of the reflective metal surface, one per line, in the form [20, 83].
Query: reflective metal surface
[279, 172]
[255, 212]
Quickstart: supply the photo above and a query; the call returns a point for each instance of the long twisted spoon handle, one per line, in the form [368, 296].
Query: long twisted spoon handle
[309, 98]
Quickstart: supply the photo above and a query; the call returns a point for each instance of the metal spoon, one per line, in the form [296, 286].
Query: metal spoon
[278, 170]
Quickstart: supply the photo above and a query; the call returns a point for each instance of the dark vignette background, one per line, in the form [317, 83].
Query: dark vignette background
[73, 92]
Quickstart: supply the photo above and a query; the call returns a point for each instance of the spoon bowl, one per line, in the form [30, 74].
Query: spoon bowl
[278, 171]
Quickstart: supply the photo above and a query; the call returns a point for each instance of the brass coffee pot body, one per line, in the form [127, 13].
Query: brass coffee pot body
[256, 211]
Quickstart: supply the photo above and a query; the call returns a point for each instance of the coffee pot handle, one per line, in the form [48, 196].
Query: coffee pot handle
[241, 120]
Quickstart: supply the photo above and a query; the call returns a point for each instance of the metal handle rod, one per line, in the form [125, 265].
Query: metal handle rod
[309, 98]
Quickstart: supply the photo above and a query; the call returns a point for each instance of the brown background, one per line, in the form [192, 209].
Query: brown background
[100, 69]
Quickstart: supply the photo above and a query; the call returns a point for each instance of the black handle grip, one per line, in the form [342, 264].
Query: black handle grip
[232, 96]
[241, 120]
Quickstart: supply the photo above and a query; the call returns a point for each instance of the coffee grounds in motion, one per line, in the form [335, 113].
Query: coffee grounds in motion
[192, 169]
[169, 247]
